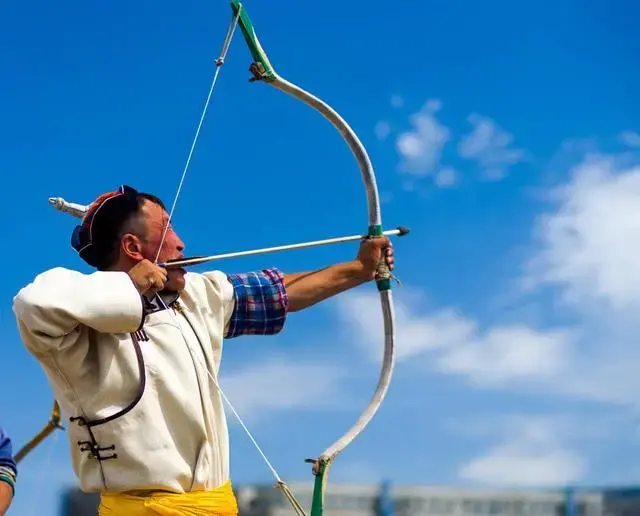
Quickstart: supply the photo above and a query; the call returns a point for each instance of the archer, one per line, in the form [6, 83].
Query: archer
[132, 351]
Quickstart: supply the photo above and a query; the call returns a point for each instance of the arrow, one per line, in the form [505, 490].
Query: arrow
[196, 260]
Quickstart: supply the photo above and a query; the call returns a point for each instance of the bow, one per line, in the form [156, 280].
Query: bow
[262, 70]
[52, 424]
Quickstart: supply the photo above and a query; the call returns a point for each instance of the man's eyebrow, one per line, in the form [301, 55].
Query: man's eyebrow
[165, 223]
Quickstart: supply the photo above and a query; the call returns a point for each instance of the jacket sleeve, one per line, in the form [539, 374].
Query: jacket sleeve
[8, 468]
[58, 301]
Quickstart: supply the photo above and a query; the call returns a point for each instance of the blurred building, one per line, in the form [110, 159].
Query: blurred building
[399, 500]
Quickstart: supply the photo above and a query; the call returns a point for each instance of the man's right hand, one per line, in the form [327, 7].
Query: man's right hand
[148, 277]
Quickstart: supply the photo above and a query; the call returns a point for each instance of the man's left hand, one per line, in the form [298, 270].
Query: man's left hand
[371, 252]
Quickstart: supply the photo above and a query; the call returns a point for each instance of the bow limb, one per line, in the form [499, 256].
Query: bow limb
[52, 424]
[262, 70]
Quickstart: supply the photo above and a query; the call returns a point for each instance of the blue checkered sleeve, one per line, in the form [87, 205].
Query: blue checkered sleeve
[260, 303]
[8, 469]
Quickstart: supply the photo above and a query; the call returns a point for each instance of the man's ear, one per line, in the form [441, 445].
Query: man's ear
[131, 246]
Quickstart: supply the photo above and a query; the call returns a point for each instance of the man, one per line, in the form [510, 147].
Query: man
[8, 473]
[133, 349]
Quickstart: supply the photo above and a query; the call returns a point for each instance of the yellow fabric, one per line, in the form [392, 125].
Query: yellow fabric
[219, 502]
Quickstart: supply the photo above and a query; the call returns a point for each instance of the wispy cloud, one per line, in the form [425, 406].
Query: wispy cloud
[280, 384]
[530, 453]
[585, 256]
[588, 246]
[382, 130]
[490, 146]
[630, 138]
[417, 331]
[447, 177]
[505, 354]
[455, 344]
[421, 147]
[583, 252]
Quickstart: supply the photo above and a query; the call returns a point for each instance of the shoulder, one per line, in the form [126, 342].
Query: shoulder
[211, 281]
[227, 286]
[53, 274]
[58, 272]
[210, 288]
[58, 276]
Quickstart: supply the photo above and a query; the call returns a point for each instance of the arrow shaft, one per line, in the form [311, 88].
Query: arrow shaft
[196, 260]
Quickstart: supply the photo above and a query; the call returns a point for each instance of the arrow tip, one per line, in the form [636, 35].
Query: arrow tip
[402, 230]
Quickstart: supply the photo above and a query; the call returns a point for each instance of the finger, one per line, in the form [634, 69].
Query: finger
[156, 285]
[381, 241]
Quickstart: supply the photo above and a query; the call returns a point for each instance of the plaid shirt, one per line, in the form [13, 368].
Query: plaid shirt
[8, 470]
[260, 303]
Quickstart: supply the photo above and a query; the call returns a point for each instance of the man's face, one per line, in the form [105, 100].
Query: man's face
[156, 219]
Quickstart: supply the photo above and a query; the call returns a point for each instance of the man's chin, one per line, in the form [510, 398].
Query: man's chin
[176, 282]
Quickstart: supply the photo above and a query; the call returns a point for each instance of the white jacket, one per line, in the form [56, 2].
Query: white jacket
[173, 434]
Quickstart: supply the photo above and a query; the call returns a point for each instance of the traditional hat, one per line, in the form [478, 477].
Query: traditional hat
[96, 236]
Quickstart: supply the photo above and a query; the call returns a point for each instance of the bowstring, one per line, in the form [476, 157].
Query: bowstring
[281, 484]
[219, 62]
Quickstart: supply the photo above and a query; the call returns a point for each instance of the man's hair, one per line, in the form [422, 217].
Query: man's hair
[133, 224]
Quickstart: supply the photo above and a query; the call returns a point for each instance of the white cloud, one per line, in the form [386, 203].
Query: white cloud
[589, 246]
[490, 146]
[455, 344]
[510, 353]
[382, 129]
[630, 138]
[415, 333]
[277, 384]
[587, 250]
[420, 149]
[531, 454]
[447, 177]
[583, 271]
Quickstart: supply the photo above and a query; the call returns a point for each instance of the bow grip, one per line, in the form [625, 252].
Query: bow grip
[383, 273]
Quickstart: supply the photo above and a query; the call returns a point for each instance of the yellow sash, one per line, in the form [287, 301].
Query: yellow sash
[219, 502]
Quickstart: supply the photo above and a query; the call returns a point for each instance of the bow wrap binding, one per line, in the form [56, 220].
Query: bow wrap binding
[262, 70]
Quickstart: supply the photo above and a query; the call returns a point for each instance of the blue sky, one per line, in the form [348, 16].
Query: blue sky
[506, 136]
